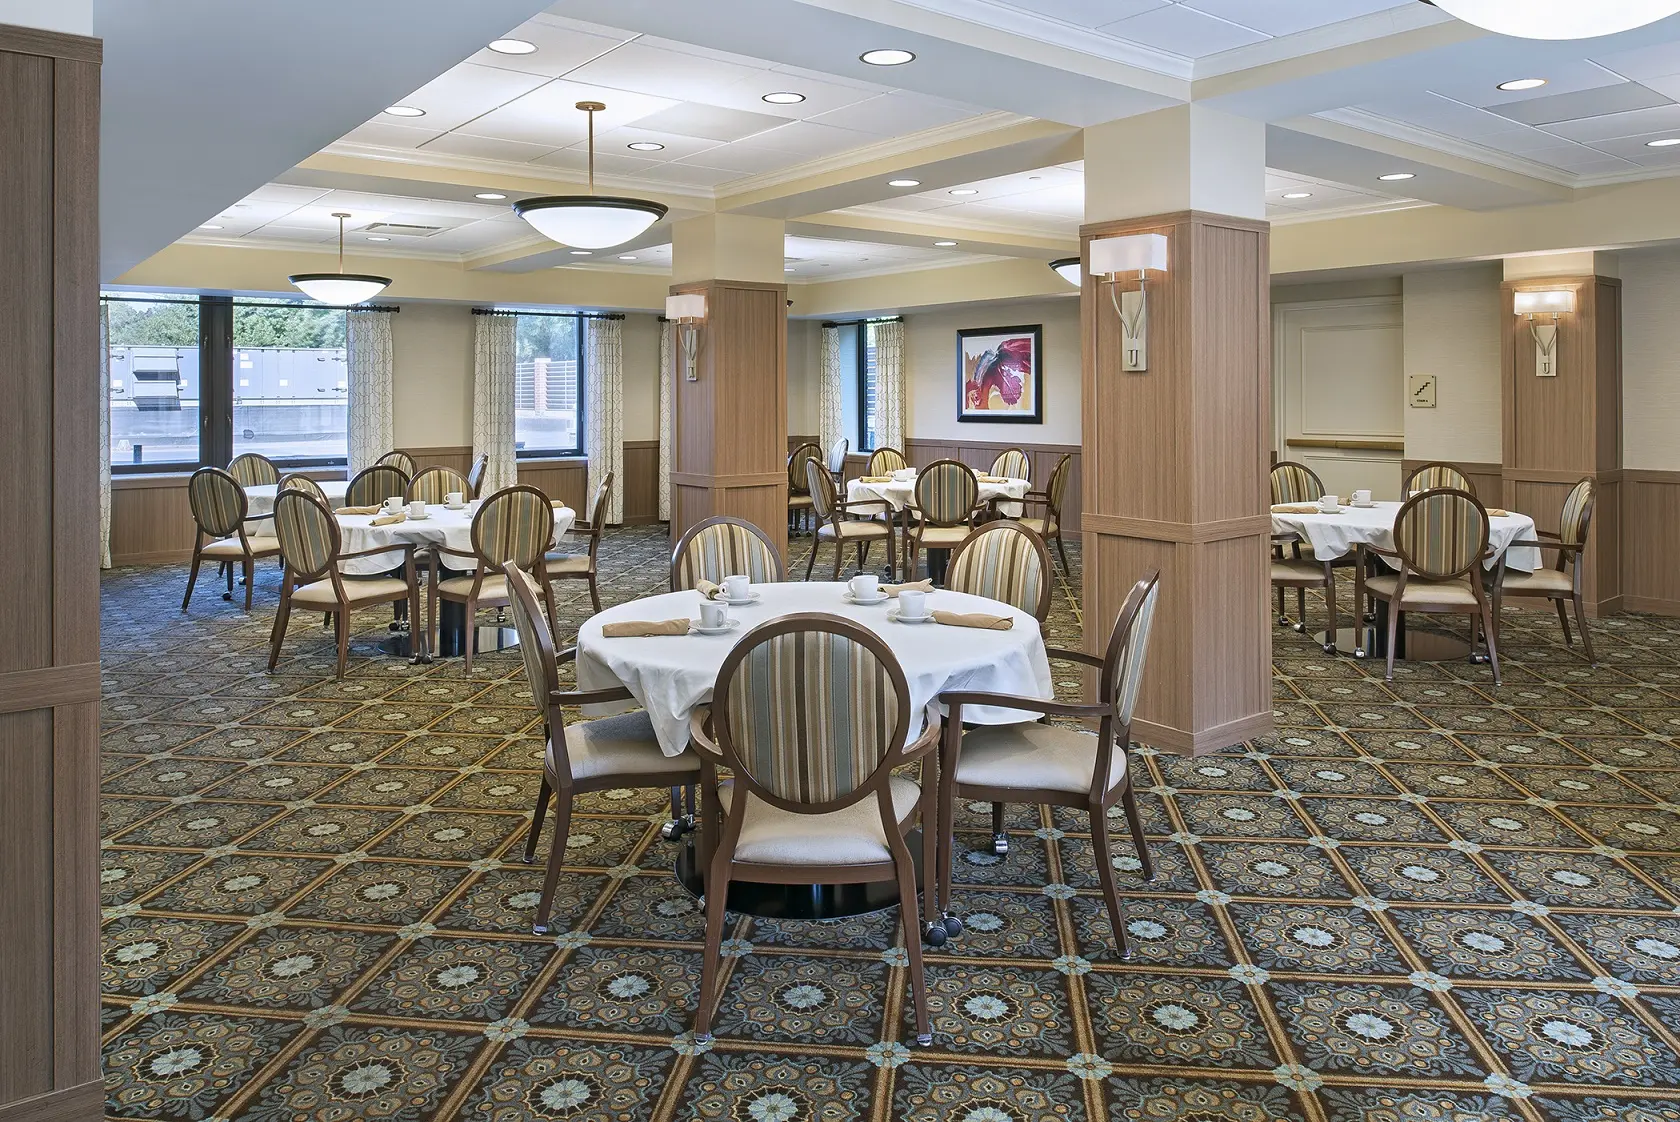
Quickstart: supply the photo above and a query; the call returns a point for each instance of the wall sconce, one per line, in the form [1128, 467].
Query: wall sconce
[1553, 301]
[688, 312]
[1133, 252]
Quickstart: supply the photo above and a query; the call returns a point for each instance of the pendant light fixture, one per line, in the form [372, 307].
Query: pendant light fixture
[1558, 19]
[1068, 268]
[589, 221]
[340, 287]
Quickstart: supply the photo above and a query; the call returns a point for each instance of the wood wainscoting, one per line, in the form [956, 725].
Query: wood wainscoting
[1485, 477]
[979, 454]
[1651, 541]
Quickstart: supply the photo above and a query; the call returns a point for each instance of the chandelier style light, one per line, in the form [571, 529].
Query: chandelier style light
[589, 221]
[340, 287]
[1558, 19]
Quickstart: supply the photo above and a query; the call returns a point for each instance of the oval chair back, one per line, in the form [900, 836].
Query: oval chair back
[1128, 649]
[536, 641]
[802, 455]
[885, 461]
[722, 546]
[308, 533]
[1577, 516]
[598, 513]
[1004, 561]
[1438, 476]
[475, 474]
[218, 502]
[820, 486]
[375, 484]
[513, 525]
[947, 493]
[400, 460]
[1295, 483]
[252, 470]
[1441, 534]
[433, 483]
[1012, 464]
[298, 482]
[837, 455]
[1057, 492]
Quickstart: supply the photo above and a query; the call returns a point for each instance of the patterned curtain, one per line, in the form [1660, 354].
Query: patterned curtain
[829, 417]
[493, 361]
[603, 409]
[104, 435]
[370, 434]
[666, 433]
[889, 384]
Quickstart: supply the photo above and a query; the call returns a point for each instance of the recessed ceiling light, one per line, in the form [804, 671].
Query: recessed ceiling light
[492, 195]
[209, 226]
[785, 97]
[904, 183]
[887, 57]
[1394, 176]
[944, 245]
[1523, 84]
[582, 252]
[789, 269]
[377, 238]
[645, 146]
[513, 47]
[406, 111]
[1665, 142]
[964, 191]
[627, 257]
[1298, 195]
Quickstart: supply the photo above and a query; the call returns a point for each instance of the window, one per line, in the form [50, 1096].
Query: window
[154, 381]
[857, 394]
[548, 384]
[291, 381]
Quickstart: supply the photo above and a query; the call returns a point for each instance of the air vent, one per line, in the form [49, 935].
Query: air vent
[401, 229]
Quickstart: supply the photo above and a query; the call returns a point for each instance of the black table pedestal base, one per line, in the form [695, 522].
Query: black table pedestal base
[801, 901]
[1370, 640]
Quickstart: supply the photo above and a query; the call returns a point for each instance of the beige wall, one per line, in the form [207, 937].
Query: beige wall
[804, 376]
[1452, 331]
[1651, 359]
[641, 377]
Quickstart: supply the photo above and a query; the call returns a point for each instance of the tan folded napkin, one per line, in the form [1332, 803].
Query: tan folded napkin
[1495, 512]
[558, 504]
[975, 619]
[875, 479]
[992, 478]
[390, 519]
[1298, 508]
[708, 590]
[360, 509]
[636, 628]
[908, 586]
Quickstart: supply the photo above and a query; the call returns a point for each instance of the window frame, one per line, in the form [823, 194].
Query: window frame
[581, 450]
[865, 414]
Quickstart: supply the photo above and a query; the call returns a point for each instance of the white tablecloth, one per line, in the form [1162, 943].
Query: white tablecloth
[899, 493]
[451, 529]
[259, 500]
[671, 676]
[1333, 535]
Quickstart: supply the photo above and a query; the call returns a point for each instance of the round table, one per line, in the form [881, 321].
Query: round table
[259, 497]
[896, 494]
[672, 676]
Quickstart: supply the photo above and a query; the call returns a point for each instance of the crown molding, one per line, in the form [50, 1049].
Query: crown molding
[419, 157]
[1357, 210]
[1369, 28]
[1068, 233]
[326, 248]
[1369, 122]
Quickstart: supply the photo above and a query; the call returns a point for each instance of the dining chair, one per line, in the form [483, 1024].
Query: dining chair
[1012, 464]
[433, 484]
[942, 512]
[721, 546]
[1291, 568]
[885, 461]
[515, 525]
[220, 511]
[1562, 581]
[297, 481]
[249, 469]
[583, 566]
[312, 547]
[1439, 475]
[1051, 499]
[1440, 542]
[1050, 764]
[799, 490]
[475, 474]
[373, 485]
[400, 460]
[1004, 561]
[842, 524]
[810, 715]
[1294, 482]
[837, 461]
[600, 755]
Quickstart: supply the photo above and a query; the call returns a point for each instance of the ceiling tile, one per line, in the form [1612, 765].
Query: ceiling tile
[390, 136]
[1086, 13]
[688, 175]
[606, 163]
[1478, 87]
[710, 122]
[465, 91]
[808, 140]
[616, 141]
[488, 148]
[1285, 17]
[743, 160]
[894, 114]
[559, 49]
[1618, 124]
[665, 73]
[549, 115]
[1182, 31]
[1642, 63]
[1623, 98]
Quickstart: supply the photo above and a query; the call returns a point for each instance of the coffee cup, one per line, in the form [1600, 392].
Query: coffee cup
[417, 509]
[1361, 498]
[453, 500]
[712, 613]
[1329, 503]
[736, 587]
[393, 504]
[866, 586]
[912, 604]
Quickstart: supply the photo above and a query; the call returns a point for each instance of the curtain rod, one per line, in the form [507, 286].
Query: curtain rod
[855, 322]
[552, 315]
[106, 298]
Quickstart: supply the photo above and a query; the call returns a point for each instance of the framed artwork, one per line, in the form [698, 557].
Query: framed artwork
[1000, 375]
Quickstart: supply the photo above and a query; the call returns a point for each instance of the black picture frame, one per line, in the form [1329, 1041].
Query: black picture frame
[976, 345]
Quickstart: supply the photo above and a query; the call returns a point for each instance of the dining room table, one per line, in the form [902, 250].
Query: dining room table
[259, 497]
[672, 677]
[890, 495]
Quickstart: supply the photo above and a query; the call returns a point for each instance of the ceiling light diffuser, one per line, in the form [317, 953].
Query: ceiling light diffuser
[1522, 84]
[627, 257]
[786, 97]
[887, 57]
[645, 146]
[405, 111]
[1665, 142]
[590, 221]
[377, 238]
[964, 191]
[490, 195]
[1396, 176]
[582, 252]
[1298, 195]
[944, 245]
[1069, 269]
[513, 47]
[904, 183]
[340, 287]
[208, 226]
[1559, 19]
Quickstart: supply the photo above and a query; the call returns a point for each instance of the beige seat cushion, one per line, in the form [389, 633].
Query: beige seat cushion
[359, 590]
[1455, 593]
[493, 589]
[1542, 582]
[1294, 571]
[943, 537]
[558, 563]
[230, 547]
[1033, 756]
[619, 745]
[799, 501]
[1043, 527]
[856, 531]
[772, 836]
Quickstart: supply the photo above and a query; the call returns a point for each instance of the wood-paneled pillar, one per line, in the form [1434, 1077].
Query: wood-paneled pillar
[729, 447]
[1175, 457]
[1561, 429]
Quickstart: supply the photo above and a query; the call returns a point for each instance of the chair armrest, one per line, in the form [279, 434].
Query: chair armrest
[1377, 549]
[863, 504]
[700, 734]
[1073, 656]
[590, 697]
[1547, 534]
[376, 551]
[1561, 546]
[958, 698]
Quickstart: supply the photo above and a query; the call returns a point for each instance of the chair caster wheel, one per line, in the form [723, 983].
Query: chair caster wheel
[677, 827]
[953, 926]
[228, 596]
[1329, 648]
[1359, 652]
[934, 935]
[1000, 845]
[539, 929]
[1298, 628]
[1283, 621]
[925, 1039]
[702, 1038]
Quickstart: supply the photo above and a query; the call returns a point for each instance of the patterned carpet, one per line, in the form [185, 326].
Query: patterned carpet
[1430, 900]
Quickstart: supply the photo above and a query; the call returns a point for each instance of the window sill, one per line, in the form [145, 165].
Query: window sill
[545, 458]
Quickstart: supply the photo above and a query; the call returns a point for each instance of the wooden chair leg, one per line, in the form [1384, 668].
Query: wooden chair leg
[556, 857]
[227, 567]
[538, 813]
[1492, 643]
[1067, 570]
[1586, 636]
[1393, 637]
[912, 938]
[1134, 822]
[863, 549]
[711, 958]
[1105, 874]
[839, 557]
[1301, 609]
[1330, 610]
[594, 595]
[281, 614]
[1283, 610]
[250, 579]
[1563, 621]
[1000, 838]
[470, 636]
[816, 544]
[553, 613]
[341, 622]
[192, 577]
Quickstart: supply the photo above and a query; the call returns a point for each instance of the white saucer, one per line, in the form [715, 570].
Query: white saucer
[896, 618]
[446, 506]
[850, 599]
[419, 517]
[729, 625]
[752, 598]
[1363, 506]
[1333, 510]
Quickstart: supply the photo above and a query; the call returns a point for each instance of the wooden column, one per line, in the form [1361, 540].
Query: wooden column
[49, 661]
[1559, 430]
[1175, 462]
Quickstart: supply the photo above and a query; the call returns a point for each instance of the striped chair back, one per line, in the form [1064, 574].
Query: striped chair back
[536, 642]
[374, 485]
[400, 460]
[1128, 648]
[433, 483]
[947, 492]
[720, 547]
[1577, 513]
[513, 525]
[1012, 464]
[1295, 483]
[252, 470]
[1439, 476]
[802, 455]
[217, 500]
[1441, 534]
[475, 474]
[812, 711]
[885, 461]
[1058, 484]
[820, 486]
[1004, 561]
[298, 482]
[837, 455]
[308, 533]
